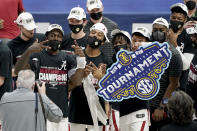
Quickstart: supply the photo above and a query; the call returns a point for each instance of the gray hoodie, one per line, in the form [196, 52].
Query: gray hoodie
[17, 111]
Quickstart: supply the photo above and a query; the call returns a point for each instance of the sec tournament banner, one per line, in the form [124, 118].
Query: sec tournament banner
[135, 74]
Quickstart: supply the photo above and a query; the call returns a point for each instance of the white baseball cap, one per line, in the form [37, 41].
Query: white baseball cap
[181, 6]
[101, 27]
[54, 26]
[161, 21]
[117, 31]
[143, 31]
[26, 20]
[77, 13]
[92, 4]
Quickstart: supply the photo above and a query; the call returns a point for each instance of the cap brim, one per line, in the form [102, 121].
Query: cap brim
[30, 26]
[140, 33]
[114, 32]
[73, 16]
[93, 7]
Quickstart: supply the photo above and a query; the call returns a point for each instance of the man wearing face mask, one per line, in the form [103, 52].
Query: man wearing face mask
[76, 19]
[80, 113]
[131, 114]
[179, 37]
[95, 9]
[170, 78]
[54, 67]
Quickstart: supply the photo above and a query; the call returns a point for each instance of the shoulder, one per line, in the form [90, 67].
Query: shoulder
[13, 42]
[168, 127]
[109, 21]
[106, 60]
[175, 53]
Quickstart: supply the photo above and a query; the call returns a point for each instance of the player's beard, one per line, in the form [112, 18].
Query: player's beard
[27, 36]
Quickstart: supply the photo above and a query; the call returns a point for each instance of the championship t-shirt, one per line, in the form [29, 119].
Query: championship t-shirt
[54, 70]
[79, 111]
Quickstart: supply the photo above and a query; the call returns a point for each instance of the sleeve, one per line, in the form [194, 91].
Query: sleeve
[52, 111]
[20, 7]
[186, 62]
[72, 64]
[175, 66]
[5, 62]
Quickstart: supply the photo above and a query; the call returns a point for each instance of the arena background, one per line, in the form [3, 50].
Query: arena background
[127, 13]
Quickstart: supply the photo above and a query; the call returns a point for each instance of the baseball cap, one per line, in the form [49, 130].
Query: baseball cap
[143, 31]
[26, 20]
[161, 21]
[77, 13]
[101, 27]
[117, 31]
[54, 26]
[92, 4]
[182, 6]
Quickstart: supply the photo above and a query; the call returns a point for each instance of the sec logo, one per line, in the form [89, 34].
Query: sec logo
[146, 88]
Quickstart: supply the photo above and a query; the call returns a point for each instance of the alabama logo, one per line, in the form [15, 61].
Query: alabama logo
[135, 74]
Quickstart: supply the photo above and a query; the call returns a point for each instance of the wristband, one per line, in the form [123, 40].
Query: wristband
[81, 62]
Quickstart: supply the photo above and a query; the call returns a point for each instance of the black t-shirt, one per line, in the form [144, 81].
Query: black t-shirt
[174, 70]
[68, 41]
[18, 46]
[5, 68]
[54, 70]
[79, 111]
[185, 43]
[175, 127]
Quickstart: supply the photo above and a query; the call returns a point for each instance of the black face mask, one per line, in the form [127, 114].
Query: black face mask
[176, 25]
[94, 42]
[159, 36]
[96, 16]
[119, 47]
[54, 44]
[191, 5]
[76, 28]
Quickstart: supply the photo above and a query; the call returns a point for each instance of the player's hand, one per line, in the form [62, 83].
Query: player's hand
[42, 88]
[189, 24]
[97, 72]
[158, 115]
[77, 49]
[172, 37]
[88, 69]
[1, 23]
[103, 68]
[37, 47]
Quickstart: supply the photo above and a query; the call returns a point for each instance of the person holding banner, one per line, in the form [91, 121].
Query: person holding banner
[170, 78]
[130, 114]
